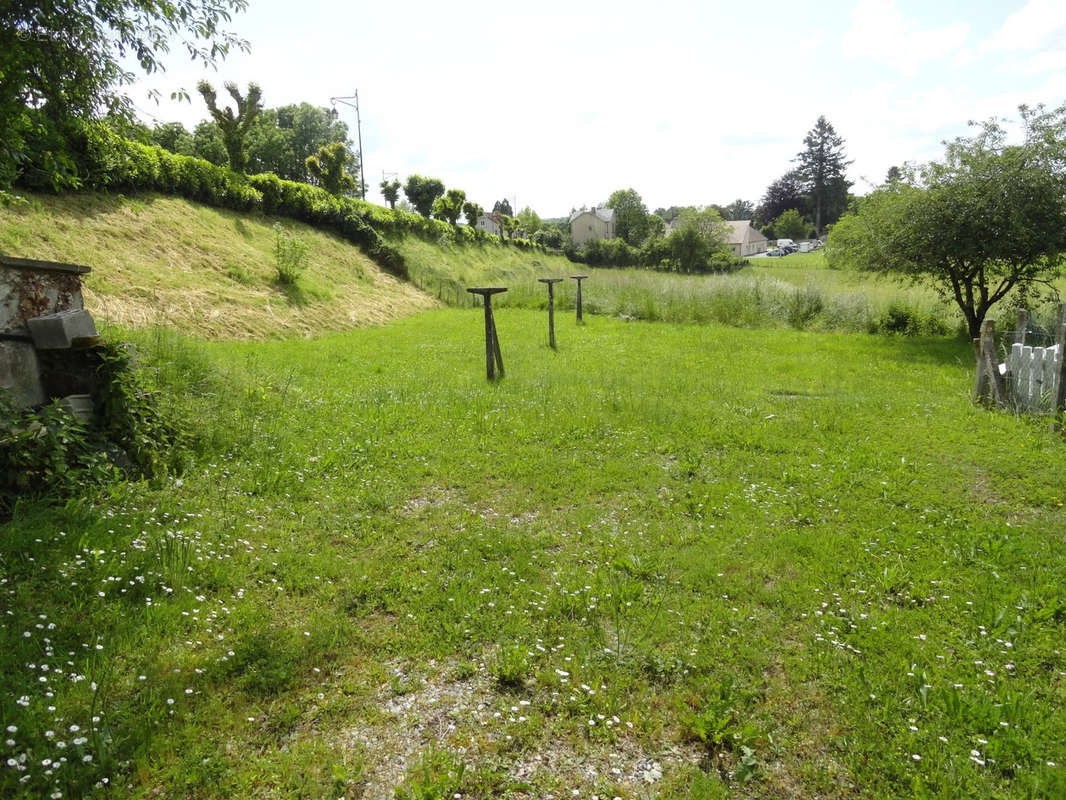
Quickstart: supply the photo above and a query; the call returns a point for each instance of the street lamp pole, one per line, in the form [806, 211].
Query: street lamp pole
[359, 132]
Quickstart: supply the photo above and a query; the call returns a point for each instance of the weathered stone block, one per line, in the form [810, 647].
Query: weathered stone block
[19, 373]
[79, 405]
[58, 331]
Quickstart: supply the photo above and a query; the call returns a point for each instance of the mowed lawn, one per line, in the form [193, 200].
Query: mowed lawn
[660, 561]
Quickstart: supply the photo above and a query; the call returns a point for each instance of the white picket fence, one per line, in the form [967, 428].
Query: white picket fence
[1033, 376]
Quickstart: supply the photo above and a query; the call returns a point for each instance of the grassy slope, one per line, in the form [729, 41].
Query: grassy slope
[447, 269]
[201, 270]
[810, 553]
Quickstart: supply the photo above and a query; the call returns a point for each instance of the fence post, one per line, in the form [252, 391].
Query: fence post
[551, 308]
[579, 278]
[1060, 340]
[989, 385]
[1021, 327]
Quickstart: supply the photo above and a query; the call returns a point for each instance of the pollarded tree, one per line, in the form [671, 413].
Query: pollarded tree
[822, 164]
[630, 216]
[422, 192]
[986, 222]
[450, 206]
[390, 190]
[472, 211]
[234, 125]
[327, 169]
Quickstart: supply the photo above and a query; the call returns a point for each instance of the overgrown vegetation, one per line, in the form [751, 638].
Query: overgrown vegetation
[51, 454]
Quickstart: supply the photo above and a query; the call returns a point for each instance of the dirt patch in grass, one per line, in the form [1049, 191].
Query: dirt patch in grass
[459, 707]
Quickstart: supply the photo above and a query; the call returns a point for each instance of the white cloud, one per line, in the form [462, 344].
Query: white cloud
[880, 31]
[1038, 24]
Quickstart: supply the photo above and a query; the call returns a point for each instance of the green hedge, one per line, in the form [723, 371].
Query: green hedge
[110, 162]
[102, 159]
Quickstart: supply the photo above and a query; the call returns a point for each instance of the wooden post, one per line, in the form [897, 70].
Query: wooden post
[551, 308]
[1060, 339]
[989, 385]
[579, 278]
[493, 358]
[1022, 326]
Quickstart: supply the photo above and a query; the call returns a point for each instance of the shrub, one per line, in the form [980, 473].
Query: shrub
[904, 321]
[290, 256]
[803, 305]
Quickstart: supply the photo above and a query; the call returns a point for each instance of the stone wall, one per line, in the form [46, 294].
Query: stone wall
[31, 289]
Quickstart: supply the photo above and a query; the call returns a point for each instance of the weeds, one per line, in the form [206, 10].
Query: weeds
[290, 256]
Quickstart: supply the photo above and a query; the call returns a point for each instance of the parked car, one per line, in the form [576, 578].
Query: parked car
[777, 251]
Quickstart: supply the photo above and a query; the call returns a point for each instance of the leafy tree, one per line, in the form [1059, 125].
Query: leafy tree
[62, 61]
[233, 125]
[786, 192]
[174, 137]
[281, 140]
[821, 168]
[450, 206]
[549, 236]
[656, 226]
[790, 225]
[669, 214]
[894, 174]
[986, 221]
[630, 216]
[739, 209]
[269, 149]
[422, 192]
[207, 143]
[390, 190]
[327, 168]
[529, 221]
[698, 234]
[472, 211]
[503, 207]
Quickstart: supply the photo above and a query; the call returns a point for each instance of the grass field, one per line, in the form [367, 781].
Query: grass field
[661, 561]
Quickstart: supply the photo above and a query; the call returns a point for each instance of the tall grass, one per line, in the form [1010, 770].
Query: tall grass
[744, 299]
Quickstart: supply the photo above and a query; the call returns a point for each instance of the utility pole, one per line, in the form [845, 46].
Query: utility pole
[359, 131]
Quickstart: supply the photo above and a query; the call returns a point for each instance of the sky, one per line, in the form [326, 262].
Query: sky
[555, 105]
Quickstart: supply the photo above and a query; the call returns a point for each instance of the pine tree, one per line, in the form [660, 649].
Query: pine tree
[821, 168]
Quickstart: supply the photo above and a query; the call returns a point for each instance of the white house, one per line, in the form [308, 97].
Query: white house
[743, 239]
[489, 224]
[588, 225]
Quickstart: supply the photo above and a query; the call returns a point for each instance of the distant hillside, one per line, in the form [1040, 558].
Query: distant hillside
[205, 271]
